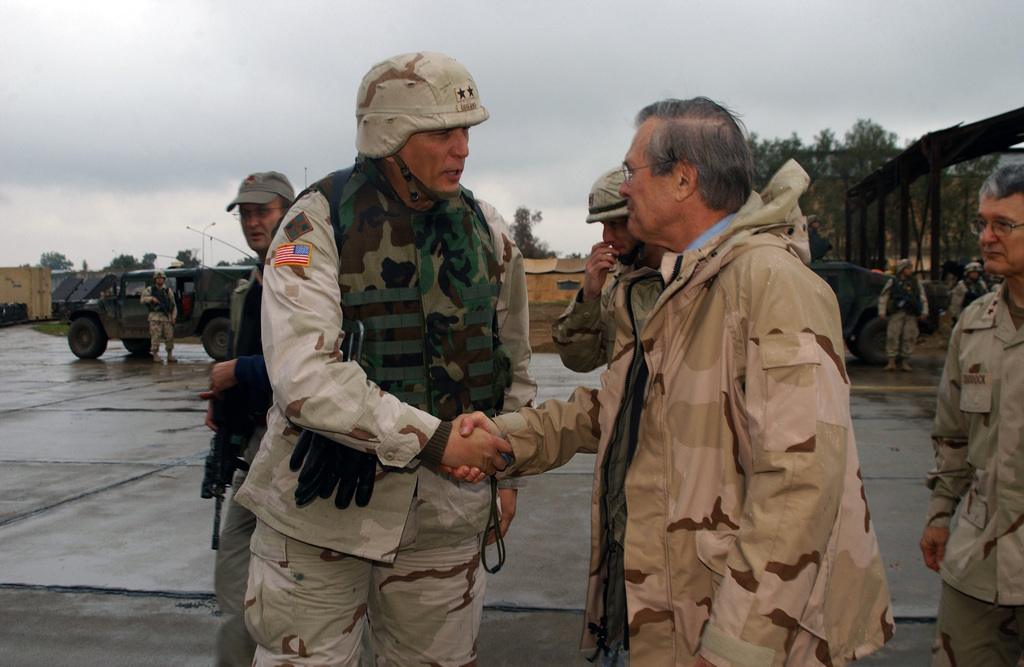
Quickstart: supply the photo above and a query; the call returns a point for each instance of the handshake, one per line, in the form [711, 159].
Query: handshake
[475, 449]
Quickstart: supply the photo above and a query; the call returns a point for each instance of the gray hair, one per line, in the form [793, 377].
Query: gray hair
[1004, 182]
[712, 139]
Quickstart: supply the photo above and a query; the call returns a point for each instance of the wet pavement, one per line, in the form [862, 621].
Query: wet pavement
[105, 543]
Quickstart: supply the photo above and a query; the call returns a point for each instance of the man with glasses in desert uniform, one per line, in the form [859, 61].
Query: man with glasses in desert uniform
[974, 530]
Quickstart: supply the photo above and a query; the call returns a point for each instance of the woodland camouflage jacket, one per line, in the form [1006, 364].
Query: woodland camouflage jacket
[315, 389]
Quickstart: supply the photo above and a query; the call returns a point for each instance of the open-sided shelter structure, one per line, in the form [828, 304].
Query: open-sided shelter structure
[927, 156]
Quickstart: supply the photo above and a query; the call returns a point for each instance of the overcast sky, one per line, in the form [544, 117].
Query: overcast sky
[123, 123]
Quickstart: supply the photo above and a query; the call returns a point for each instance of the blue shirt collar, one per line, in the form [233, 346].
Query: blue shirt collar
[714, 230]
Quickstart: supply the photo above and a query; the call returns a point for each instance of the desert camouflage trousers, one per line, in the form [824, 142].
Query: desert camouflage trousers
[161, 330]
[900, 334]
[306, 605]
[974, 632]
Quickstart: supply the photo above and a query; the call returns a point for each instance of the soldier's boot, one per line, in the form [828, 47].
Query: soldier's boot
[891, 366]
[156, 358]
[906, 366]
[171, 359]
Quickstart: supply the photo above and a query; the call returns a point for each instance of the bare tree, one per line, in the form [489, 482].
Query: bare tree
[522, 234]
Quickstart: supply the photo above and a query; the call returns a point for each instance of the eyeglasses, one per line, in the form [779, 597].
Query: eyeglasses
[259, 212]
[627, 171]
[1000, 228]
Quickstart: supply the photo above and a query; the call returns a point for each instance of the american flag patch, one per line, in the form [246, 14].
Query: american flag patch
[296, 254]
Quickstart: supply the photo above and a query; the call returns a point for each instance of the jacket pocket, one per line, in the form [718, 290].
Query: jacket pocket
[789, 401]
[975, 507]
[713, 548]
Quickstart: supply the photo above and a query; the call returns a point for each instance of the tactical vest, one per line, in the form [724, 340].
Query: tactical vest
[425, 286]
[162, 294]
[974, 290]
[904, 295]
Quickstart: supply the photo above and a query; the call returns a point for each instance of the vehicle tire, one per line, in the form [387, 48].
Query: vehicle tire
[139, 347]
[870, 343]
[215, 338]
[86, 338]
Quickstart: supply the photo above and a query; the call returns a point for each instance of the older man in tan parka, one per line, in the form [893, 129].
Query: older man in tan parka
[748, 539]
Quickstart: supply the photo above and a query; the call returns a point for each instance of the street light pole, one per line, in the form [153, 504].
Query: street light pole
[204, 243]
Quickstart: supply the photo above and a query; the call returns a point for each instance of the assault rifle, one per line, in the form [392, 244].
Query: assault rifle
[905, 298]
[160, 294]
[226, 444]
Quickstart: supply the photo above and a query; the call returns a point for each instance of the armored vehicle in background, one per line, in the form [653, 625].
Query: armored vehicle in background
[202, 294]
[857, 290]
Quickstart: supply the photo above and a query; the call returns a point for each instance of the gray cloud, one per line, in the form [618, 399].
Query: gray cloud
[123, 122]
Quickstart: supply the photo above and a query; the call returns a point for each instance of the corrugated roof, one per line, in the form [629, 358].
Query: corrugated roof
[564, 265]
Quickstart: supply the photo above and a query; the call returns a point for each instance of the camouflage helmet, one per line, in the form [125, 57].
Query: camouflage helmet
[159, 274]
[410, 93]
[973, 266]
[604, 202]
[903, 264]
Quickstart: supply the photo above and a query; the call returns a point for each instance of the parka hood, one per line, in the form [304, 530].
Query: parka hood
[775, 211]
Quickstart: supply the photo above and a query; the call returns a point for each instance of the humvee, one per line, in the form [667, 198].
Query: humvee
[857, 290]
[202, 295]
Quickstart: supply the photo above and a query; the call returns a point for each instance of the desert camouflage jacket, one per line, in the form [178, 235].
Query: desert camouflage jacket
[748, 536]
[314, 389]
[978, 480]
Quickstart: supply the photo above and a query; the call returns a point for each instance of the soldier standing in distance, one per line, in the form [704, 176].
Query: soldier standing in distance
[967, 290]
[432, 273]
[819, 245]
[903, 303]
[162, 313]
[263, 199]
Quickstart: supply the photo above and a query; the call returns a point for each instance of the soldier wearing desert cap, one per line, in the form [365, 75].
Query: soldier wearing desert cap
[261, 202]
[585, 333]
[432, 273]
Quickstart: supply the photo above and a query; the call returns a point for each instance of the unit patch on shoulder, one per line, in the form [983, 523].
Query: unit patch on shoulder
[297, 226]
[292, 254]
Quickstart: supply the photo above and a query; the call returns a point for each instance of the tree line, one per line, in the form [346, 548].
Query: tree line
[836, 164]
[185, 259]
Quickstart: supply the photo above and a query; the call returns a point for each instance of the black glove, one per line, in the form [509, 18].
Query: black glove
[325, 464]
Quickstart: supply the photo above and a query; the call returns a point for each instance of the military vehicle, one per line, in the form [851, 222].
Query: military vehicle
[857, 290]
[202, 295]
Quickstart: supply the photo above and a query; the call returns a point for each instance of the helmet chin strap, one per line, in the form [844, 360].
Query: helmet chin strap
[416, 186]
